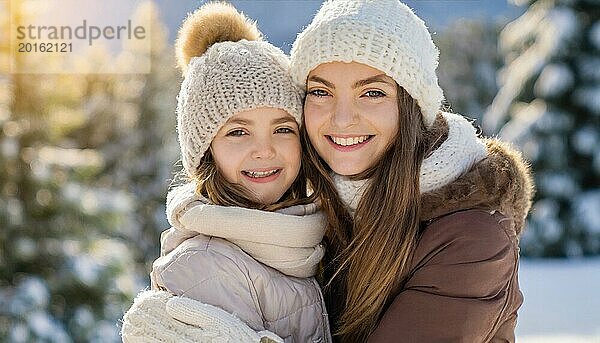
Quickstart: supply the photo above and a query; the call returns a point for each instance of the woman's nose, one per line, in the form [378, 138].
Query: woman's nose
[344, 114]
[263, 148]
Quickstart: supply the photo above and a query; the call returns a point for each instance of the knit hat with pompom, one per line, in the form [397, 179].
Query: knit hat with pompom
[383, 34]
[227, 69]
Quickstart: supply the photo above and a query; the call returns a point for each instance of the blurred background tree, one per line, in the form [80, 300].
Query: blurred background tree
[468, 63]
[86, 161]
[549, 105]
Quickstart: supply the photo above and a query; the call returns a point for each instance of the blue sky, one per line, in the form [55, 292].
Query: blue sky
[281, 20]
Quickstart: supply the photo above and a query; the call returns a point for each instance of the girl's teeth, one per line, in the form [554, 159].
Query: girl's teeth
[349, 141]
[261, 174]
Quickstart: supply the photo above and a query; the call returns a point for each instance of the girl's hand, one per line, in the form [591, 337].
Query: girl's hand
[158, 316]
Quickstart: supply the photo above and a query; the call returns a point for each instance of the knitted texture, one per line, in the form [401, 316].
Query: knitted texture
[158, 316]
[383, 34]
[349, 191]
[459, 152]
[229, 78]
[207, 316]
[145, 321]
[454, 157]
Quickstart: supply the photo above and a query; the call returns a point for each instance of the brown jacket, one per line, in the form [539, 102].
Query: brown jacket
[463, 284]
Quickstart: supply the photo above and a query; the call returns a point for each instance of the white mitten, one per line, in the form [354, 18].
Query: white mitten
[220, 324]
[159, 316]
[147, 321]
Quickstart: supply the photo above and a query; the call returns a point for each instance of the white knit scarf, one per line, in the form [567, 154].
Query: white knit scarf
[455, 156]
[287, 240]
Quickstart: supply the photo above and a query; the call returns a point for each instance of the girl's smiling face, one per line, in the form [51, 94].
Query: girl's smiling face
[351, 115]
[259, 149]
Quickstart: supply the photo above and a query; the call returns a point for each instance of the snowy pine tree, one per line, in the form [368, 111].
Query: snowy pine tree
[549, 105]
[141, 157]
[469, 60]
[84, 164]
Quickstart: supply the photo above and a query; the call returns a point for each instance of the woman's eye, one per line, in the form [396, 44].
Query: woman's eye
[236, 133]
[285, 130]
[318, 93]
[374, 94]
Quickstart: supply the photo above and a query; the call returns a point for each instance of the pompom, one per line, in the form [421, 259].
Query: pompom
[212, 23]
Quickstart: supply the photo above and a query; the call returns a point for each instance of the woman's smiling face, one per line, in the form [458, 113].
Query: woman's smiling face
[351, 115]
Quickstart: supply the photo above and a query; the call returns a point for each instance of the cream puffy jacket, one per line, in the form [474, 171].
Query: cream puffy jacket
[256, 265]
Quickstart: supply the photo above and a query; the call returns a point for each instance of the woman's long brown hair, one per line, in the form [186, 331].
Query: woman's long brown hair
[371, 262]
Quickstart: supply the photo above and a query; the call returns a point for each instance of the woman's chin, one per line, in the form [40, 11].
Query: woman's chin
[350, 163]
[347, 168]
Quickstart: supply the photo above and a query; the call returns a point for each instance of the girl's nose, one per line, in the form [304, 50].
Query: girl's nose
[263, 149]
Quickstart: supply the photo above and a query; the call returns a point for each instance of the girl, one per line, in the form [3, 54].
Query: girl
[432, 254]
[245, 236]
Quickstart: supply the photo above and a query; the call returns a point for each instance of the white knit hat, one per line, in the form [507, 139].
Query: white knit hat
[226, 71]
[383, 34]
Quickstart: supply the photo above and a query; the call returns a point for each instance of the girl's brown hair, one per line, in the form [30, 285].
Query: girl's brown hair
[371, 261]
[211, 184]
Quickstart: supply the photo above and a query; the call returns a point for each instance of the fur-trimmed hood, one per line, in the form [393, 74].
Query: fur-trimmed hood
[502, 181]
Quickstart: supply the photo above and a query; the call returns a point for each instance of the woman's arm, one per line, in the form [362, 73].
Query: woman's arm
[463, 286]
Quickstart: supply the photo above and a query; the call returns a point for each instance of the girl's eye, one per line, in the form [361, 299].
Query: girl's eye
[236, 133]
[318, 93]
[374, 94]
[285, 130]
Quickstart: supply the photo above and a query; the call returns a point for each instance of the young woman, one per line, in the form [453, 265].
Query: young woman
[245, 241]
[432, 254]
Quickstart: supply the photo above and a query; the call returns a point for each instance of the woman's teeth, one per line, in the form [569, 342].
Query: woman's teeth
[257, 174]
[349, 141]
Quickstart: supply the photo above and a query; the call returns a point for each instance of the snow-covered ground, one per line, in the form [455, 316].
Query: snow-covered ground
[562, 301]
